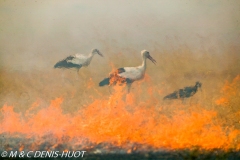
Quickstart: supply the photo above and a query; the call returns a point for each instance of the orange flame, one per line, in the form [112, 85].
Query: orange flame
[229, 91]
[120, 121]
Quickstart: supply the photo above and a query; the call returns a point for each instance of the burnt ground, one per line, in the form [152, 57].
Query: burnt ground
[106, 151]
[176, 155]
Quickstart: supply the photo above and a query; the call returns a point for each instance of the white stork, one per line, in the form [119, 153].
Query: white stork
[77, 61]
[128, 74]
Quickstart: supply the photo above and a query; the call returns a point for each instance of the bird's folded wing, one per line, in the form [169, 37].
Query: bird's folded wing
[77, 60]
[80, 56]
[131, 73]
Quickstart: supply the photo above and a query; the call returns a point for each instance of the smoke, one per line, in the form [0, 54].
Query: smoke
[191, 41]
[36, 34]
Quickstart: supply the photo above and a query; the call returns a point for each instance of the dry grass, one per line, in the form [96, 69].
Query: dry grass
[175, 69]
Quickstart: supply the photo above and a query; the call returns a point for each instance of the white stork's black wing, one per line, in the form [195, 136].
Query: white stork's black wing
[66, 63]
[115, 78]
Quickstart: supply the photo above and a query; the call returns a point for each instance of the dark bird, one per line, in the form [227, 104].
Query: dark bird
[185, 92]
[128, 75]
[77, 61]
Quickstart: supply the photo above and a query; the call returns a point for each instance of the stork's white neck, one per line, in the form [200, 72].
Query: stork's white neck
[90, 56]
[144, 64]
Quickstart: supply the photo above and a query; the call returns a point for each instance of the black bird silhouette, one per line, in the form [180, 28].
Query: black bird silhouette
[186, 92]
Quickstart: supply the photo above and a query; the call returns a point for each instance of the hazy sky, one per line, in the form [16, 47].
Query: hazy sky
[36, 33]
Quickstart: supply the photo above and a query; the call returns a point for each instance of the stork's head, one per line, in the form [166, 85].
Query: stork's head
[146, 54]
[198, 84]
[96, 51]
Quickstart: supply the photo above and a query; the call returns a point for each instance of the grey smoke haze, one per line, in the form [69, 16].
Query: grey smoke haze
[36, 34]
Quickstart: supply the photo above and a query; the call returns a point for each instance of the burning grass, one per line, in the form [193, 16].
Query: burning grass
[41, 112]
[121, 121]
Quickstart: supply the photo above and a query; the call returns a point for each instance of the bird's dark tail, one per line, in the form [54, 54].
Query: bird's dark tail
[104, 82]
[166, 97]
[61, 64]
[171, 96]
[65, 64]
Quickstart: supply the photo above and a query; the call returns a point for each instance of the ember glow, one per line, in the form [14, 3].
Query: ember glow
[123, 121]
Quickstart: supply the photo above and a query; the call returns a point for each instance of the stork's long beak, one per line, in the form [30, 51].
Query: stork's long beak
[153, 60]
[100, 54]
